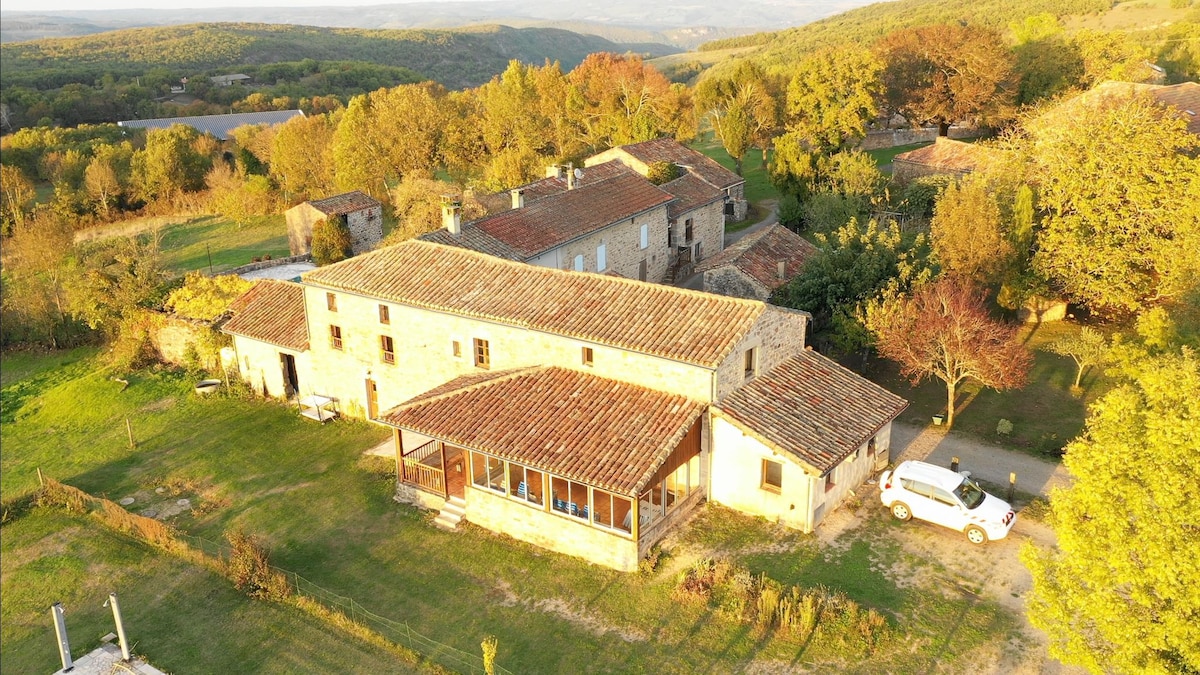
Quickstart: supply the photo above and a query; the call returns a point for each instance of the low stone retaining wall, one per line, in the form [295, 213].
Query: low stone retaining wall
[890, 138]
[273, 262]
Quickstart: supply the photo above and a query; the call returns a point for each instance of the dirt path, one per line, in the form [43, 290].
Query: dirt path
[771, 218]
[988, 462]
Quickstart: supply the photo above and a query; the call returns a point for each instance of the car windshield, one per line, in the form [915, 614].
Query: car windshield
[970, 493]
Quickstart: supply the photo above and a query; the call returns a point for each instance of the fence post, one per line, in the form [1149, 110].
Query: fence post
[1012, 486]
[129, 430]
[954, 464]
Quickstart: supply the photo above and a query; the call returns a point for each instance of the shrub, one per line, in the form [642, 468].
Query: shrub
[250, 569]
[791, 213]
[330, 242]
[650, 564]
[1004, 427]
[662, 172]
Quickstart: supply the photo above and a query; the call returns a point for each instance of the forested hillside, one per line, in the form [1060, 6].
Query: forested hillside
[455, 58]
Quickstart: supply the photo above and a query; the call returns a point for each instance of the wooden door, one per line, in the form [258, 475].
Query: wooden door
[372, 399]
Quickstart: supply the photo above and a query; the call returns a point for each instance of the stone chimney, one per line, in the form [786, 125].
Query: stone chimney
[452, 215]
[571, 176]
[555, 171]
[781, 269]
[518, 198]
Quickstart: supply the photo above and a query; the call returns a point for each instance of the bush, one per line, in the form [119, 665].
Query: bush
[662, 172]
[791, 213]
[1004, 427]
[250, 569]
[650, 564]
[330, 243]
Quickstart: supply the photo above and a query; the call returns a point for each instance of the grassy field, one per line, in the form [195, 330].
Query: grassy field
[758, 185]
[181, 617]
[883, 157]
[186, 247]
[1044, 414]
[327, 513]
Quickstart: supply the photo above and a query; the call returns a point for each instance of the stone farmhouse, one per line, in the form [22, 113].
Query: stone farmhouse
[606, 218]
[757, 264]
[361, 214]
[582, 412]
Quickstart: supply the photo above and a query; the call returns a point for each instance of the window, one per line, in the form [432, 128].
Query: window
[587, 356]
[612, 511]
[687, 231]
[602, 256]
[579, 263]
[483, 356]
[456, 349]
[749, 363]
[525, 483]
[871, 447]
[387, 350]
[331, 302]
[645, 241]
[385, 316]
[569, 497]
[829, 482]
[772, 476]
[335, 337]
[487, 472]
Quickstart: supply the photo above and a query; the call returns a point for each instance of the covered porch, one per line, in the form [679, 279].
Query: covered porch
[432, 466]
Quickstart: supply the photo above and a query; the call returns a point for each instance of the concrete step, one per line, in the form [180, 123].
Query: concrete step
[451, 514]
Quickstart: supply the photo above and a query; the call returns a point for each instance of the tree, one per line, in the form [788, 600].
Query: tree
[1086, 348]
[742, 109]
[36, 270]
[113, 279]
[946, 73]
[302, 157]
[832, 96]
[1121, 590]
[388, 134]
[18, 195]
[1117, 193]
[417, 206]
[107, 176]
[967, 231]
[621, 99]
[943, 330]
[206, 298]
[169, 164]
[330, 242]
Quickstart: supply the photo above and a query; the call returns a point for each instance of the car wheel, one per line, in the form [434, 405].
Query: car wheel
[900, 511]
[976, 535]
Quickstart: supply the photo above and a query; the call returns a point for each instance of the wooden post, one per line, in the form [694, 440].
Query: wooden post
[954, 464]
[129, 430]
[41, 480]
[1012, 486]
[445, 482]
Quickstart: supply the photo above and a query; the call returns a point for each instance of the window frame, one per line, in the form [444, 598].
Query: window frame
[387, 350]
[335, 338]
[764, 480]
[481, 353]
[331, 301]
[578, 264]
[602, 256]
[644, 237]
[750, 364]
[589, 356]
[385, 315]
[456, 348]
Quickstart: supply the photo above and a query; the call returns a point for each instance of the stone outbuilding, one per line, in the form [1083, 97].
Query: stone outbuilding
[946, 157]
[757, 264]
[361, 214]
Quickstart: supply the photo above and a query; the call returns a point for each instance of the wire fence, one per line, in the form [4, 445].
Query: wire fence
[398, 632]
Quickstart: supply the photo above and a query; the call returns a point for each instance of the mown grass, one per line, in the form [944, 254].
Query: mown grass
[181, 617]
[187, 246]
[758, 184]
[327, 514]
[883, 156]
[1044, 413]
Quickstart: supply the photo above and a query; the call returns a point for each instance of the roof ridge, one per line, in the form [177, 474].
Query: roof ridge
[500, 376]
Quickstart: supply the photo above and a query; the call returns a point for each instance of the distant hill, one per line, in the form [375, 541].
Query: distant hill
[456, 58]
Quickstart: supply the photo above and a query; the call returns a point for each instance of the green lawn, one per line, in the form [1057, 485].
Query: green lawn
[186, 247]
[884, 156]
[181, 617]
[327, 514]
[1044, 414]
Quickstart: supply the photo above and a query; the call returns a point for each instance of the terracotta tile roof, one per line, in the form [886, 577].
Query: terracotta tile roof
[555, 219]
[678, 324]
[605, 433]
[1186, 99]
[758, 255]
[669, 150]
[949, 155]
[813, 408]
[545, 187]
[340, 205]
[272, 311]
[473, 239]
[690, 192]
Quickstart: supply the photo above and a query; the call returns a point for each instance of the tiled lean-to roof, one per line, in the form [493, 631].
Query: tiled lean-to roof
[813, 408]
[949, 155]
[677, 324]
[690, 192]
[605, 433]
[758, 256]
[272, 311]
[669, 150]
[348, 202]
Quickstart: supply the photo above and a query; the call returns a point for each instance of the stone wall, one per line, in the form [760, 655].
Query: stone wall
[777, 336]
[708, 230]
[729, 280]
[173, 336]
[274, 262]
[848, 477]
[557, 532]
[890, 138]
[623, 247]
[365, 227]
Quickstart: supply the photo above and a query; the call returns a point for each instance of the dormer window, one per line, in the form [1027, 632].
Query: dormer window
[750, 363]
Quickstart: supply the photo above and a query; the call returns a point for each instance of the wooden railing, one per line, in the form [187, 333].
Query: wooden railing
[424, 476]
[422, 452]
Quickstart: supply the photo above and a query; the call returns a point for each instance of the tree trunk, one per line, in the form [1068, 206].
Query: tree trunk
[949, 405]
[943, 128]
[737, 165]
[1079, 375]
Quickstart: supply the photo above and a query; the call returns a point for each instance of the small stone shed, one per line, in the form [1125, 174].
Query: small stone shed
[757, 264]
[360, 213]
[946, 157]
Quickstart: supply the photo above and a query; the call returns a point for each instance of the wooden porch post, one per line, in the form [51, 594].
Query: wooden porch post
[445, 476]
[635, 523]
[399, 454]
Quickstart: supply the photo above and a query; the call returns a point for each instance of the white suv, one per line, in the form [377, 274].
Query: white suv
[928, 492]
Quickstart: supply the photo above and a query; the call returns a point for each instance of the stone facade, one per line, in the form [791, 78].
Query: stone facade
[729, 280]
[174, 337]
[623, 250]
[778, 335]
[708, 234]
[365, 226]
[261, 366]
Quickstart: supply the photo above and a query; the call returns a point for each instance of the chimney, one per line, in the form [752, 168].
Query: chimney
[518, 198]
[781, 269]
[452, 215]
[554, 171]
[572, 175]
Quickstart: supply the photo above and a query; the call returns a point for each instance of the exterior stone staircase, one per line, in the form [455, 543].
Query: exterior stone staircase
[452, 514]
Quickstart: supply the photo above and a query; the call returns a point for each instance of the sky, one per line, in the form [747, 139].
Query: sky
[78, 5]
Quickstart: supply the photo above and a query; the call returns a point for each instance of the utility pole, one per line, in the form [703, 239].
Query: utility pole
[116, 609]
[60, 632]
[208, 247]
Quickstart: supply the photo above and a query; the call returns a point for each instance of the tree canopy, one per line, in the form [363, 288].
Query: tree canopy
[1121, 592]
